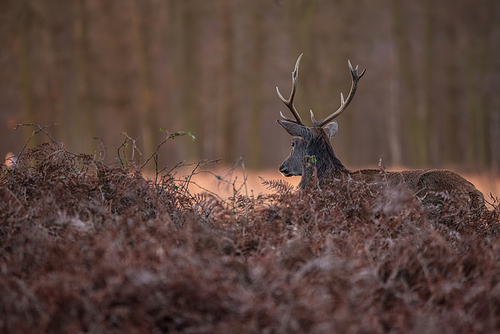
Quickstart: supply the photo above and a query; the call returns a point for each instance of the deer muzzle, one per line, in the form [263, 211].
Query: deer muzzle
[284, 170]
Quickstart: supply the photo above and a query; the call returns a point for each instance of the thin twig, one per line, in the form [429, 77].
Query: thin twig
[186, 186]
[134, 148]
[155, 152]
[40, 129]
[208, 191]
[244, 176]
[169, 136]
[100, 150]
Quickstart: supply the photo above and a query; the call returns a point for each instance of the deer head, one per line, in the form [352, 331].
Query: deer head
[313, 141]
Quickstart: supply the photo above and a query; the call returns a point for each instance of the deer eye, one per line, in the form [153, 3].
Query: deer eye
[293, 144]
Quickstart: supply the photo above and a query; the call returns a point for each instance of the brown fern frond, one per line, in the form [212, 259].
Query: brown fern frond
[279, 186]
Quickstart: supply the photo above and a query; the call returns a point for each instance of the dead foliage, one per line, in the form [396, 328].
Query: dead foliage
[86, 247]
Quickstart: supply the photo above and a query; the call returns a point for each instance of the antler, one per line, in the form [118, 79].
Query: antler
[289, 102]
[344, 104]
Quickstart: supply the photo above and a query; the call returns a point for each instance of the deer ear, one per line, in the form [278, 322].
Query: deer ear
[296, 130]
[331, 129]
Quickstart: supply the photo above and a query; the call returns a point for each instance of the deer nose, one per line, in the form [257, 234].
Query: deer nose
[284, 171]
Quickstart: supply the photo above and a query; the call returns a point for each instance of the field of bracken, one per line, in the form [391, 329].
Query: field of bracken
[92, 248]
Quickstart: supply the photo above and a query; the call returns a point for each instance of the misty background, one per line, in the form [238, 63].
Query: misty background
[430, 96]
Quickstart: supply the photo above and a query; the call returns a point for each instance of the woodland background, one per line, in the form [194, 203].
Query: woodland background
[100, 68]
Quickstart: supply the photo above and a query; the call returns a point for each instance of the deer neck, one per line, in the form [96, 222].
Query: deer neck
[321, 165]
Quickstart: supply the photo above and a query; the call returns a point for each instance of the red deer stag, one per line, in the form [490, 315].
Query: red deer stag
[312, 144]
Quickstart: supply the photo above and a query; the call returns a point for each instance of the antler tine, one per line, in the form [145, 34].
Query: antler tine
[343, 103]
[289, 102]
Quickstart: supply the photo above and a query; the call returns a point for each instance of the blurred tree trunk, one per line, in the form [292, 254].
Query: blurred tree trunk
[430, 87]
[26, 71]
[258, 60]
[476, 109]
[491, 82]
[413, 122]
[73, 112]
[478, 24]
[343, 42]
[177, 37]
[184, 37]
[146, 118]
[300, 22]
[55, 82]
[191, 112]
[450, 95]
[394, 122]
[425, 100]
[83, 73]
[228, 109]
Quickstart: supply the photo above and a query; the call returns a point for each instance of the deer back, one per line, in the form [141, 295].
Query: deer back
[428, 185]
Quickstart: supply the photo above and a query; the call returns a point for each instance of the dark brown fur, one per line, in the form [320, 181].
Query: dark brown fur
[428, 185]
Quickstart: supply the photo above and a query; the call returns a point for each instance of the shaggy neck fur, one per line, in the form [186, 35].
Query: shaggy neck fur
[327, 165]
